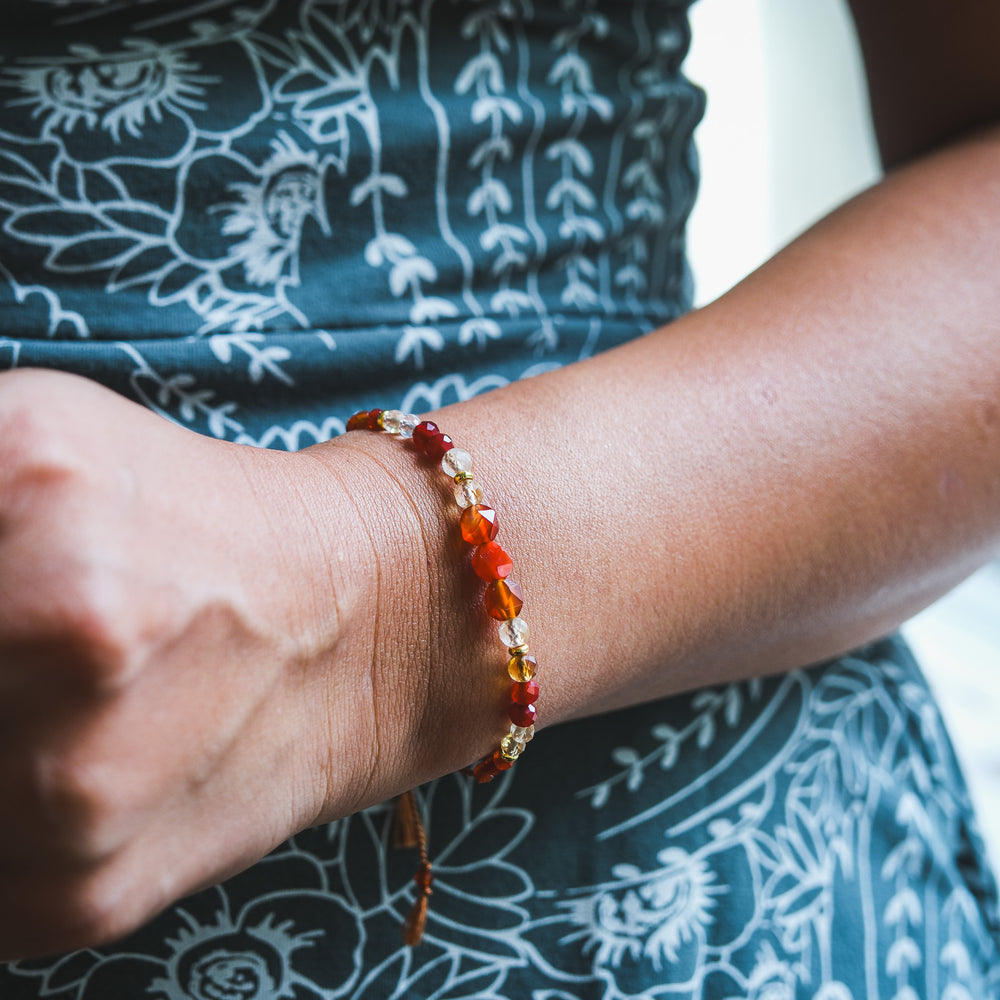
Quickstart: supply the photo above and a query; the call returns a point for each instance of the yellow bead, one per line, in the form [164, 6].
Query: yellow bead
[521, 667]
[510, 748]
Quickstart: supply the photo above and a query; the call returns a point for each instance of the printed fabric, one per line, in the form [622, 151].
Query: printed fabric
[255, 216]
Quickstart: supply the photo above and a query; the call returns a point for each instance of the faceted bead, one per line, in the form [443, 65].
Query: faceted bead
[504, 600]
[522, 734]
[524, 694]
[514, 632]
[485, 771]
[490, 562]
[438, 446]
[407, 424]
[455, 461]
[422, 434]
[468, 493]
[523, 715]
[374, 423]
[358, 422]
[479, 524]
[522, 667]
[510, 748]
[390, 420]
[500, 762]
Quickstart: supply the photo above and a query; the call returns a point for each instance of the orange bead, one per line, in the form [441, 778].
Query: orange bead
[490, 562]
[504, 600]
[359, 422]
[479, 524]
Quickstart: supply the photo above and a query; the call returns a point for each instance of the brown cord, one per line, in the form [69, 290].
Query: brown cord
[408, 831]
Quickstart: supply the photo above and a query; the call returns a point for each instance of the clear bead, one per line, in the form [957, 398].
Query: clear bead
[390, 420]
[407, 421]
[523, 734]
[513, 632]
[468, 493]
[510, 748]
[455, 461]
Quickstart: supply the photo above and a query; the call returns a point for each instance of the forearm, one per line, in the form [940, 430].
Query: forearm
[768, 482]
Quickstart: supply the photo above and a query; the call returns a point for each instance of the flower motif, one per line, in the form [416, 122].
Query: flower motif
[232, 942]
[243, 225]
[648, 915]
[143, 101]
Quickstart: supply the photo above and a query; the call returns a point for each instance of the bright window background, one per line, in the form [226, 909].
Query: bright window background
[785, 139]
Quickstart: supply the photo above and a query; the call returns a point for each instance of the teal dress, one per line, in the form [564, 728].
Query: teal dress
[257, 216]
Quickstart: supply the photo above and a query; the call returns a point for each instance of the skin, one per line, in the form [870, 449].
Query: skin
[205, 648]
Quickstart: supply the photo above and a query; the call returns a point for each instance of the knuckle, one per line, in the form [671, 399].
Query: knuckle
[80, 803]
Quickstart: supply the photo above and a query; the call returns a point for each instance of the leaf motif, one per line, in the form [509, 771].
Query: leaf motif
[956, 954]
[600, 795]
[137, 219]
[17, 193]
[92, 254]
[390, 184]
[388, 245]
[734, 705]
[624, 756]
[706, 732]
[569, 190]
[903, 907]
[410, 270]
[491, 192]
[502, 232]
[221, 347]
[497, 145]
[431, 309]
[484, 66]
[580, 225]
[575, 151]
[480, 329]
[573, 71]
[483, 108]
[54, 225]
[903, 955]
[511, 301]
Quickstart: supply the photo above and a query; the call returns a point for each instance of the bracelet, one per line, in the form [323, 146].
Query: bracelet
[503, 599]
[479, 526]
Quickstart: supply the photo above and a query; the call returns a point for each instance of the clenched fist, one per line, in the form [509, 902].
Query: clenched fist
[191, 662]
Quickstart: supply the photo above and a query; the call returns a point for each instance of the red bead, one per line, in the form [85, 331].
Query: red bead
[524, 694]
[490, 562]
[523, 715]
[438, 445]
[358, 422]
[504, 600]
[500, 762]
[479, 524]
[485, 771]
[373, 424]
[424, 878]
[422, 433]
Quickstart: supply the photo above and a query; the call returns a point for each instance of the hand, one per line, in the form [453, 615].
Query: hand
[186, 638]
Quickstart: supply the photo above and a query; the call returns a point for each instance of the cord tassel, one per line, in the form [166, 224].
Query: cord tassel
[408, 831]
[413, 928]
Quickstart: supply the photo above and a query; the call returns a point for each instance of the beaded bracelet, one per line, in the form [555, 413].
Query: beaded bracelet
[504, 600]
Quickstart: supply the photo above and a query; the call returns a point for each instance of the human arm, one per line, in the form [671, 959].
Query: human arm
[716, 471]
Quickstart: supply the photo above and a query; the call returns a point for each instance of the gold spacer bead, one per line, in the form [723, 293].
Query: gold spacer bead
[380, 421]
[518, 650]
[463, 477]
